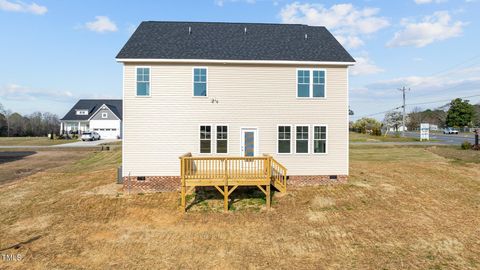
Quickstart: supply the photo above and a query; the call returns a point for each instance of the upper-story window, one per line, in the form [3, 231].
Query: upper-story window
[143, 81]
[104, 115]
[303, 83]
[82, 112]
[310, 83]
[200, 82]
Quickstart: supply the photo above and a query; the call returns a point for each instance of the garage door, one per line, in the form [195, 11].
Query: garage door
[107, 133]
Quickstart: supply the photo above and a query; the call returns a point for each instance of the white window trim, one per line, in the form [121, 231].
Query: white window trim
[308, 140]
[104, 115]
[211, 139]
[193, 82]
[311, 83]
[326, 139]
[291, 138]
[228, 139]
[150, 82]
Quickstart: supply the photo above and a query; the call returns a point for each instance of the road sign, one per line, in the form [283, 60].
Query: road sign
[424, 131]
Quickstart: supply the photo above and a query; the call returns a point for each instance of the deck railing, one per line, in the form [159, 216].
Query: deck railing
[231, 172]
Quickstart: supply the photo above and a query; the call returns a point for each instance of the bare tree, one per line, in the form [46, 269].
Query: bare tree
[6, 114]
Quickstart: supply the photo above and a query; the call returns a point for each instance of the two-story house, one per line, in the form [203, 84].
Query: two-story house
[234, 90]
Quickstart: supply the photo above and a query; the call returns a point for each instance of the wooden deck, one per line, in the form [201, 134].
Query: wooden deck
[228, 173]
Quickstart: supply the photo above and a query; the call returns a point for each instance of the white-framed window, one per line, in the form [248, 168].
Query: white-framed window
[303, 83]
[301, 139]
[222, 139]
[318, 83]
[143, 81]
[284, 144]
[311, 83]
[205, 139]
[320, 139]
[200, 87]
[104, 115]
[81, 112]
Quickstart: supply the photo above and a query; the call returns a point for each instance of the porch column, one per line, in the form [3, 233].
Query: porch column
[61, 128]
[79, 125]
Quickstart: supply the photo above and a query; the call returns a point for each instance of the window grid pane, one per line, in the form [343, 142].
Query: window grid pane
[303, 86]
[222, 139]
[284, 134]
[318, 83]
[302, 139]
[143, 81]
[200, 82]
[205, 139]
[320, 139]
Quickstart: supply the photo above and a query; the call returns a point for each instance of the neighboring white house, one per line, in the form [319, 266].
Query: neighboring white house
[101, 115]
[234, 89]
[398, 129]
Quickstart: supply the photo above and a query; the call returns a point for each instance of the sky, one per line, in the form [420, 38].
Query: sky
[53, 53]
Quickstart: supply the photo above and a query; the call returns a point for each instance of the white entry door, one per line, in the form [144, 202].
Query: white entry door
[249, 142]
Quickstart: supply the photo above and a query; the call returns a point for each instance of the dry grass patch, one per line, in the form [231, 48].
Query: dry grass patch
[403, 208]
[29, 141]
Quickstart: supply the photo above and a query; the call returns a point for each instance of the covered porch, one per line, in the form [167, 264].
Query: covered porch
[228, 173]
[74, 127]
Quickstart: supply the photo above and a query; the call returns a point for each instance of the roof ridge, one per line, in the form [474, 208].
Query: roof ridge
[240, 23]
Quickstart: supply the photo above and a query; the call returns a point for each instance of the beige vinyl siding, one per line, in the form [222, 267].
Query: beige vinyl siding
[159, 128]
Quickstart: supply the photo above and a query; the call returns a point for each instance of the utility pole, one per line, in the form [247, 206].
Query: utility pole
[403, 89]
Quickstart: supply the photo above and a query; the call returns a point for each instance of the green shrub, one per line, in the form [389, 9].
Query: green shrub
[466, 145]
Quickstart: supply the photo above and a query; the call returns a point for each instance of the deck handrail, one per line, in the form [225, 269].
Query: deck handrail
[232, 172]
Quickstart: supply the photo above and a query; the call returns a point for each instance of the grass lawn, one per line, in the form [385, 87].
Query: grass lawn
[359, 137]
[402, 208]
[29, 141]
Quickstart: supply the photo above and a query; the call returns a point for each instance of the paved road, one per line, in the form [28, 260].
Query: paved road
[451, 139]
[76, 144]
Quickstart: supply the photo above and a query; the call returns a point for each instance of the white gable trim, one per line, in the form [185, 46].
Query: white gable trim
[95, 113]
[213, 61]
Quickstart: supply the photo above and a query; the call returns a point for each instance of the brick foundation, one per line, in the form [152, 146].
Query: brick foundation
[172, 183]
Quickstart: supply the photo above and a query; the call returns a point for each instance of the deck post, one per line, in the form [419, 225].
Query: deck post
[268, 195]
[225, 187]
[183, 189]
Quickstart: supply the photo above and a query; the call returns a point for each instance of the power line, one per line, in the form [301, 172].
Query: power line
[412, 104]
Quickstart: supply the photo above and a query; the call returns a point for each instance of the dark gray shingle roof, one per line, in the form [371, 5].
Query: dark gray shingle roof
[92, 106]
[228, 41]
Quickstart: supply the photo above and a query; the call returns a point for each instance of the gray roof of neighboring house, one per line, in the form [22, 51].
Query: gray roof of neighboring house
[92, 105]
[228, 41]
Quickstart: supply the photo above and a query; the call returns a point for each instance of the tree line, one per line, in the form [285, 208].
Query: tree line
[460, 114]
[35, 124]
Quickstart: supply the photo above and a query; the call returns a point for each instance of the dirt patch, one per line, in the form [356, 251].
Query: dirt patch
[20, 164]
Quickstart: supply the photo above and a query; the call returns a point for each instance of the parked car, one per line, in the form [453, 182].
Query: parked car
[90, 136]
[450, 131]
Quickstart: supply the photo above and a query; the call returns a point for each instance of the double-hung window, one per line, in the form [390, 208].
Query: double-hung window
[311, 83]
[284, 139]
[143, 81]
[205, 139]
[318, 84]
[303, 83]
[200, 82]
[319, 139]
[222, 139]
[301, 144]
